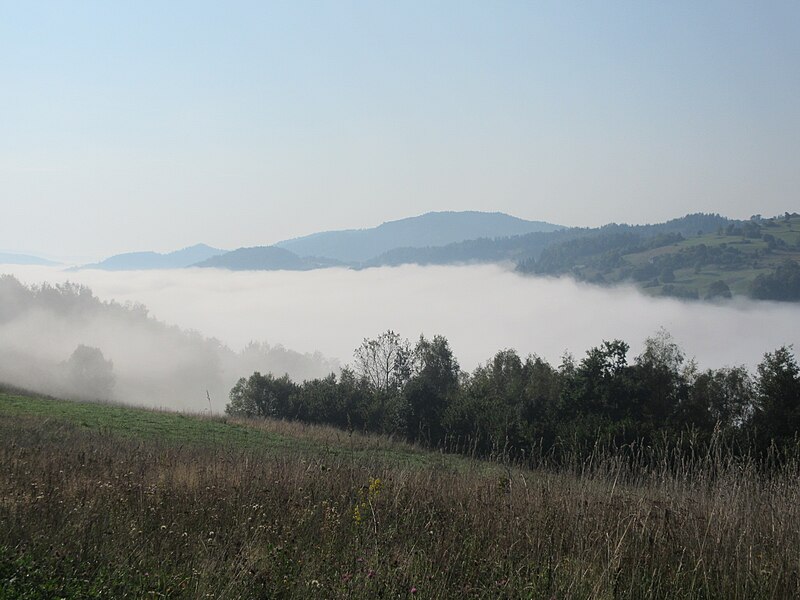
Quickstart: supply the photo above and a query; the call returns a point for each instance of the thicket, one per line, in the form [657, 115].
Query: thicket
[528, 409]
[782, 284]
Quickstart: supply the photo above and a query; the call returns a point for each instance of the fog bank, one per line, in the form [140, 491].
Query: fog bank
[66, 342]
[480, 309]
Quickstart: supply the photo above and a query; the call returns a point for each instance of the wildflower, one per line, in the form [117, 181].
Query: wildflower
[366, 495]
[413, 589]
[375, 487]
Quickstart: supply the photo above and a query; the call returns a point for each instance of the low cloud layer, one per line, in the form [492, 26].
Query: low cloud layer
[480, 309]
[63, 340]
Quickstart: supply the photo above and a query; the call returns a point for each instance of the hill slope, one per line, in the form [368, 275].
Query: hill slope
[131, 261]
[430, 229]
[757, 258]
[263, 258]
[9, 258]
[521, 248]
[150, 362]
[108, 501]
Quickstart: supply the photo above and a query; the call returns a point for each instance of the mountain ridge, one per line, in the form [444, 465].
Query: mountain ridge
[436, 228]
[12, 258]
[263, 258]
[146, 260]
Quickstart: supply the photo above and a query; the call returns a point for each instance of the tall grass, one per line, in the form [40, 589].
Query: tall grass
[85, 513]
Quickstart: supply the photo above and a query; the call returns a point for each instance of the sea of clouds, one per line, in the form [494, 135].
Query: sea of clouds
[480, 309]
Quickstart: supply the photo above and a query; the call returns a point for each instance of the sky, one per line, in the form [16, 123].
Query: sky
[148, 125]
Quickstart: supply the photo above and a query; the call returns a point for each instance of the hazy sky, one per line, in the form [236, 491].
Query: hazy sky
[156, 125]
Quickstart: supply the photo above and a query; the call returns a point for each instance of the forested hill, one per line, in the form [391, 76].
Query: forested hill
[757, 258]
[698, 256]
[264, 258]
[430, 229]
[522, 248]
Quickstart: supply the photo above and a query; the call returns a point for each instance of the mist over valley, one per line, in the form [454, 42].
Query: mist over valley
[178, 329]
[190, 330]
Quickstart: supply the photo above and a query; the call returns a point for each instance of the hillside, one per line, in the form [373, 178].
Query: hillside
[179, 259]
[698, 256]
[263, 258]
[8, 258]
[47, 334]
[109, 501]
[430, 229]
[523, 248]
[756, 258]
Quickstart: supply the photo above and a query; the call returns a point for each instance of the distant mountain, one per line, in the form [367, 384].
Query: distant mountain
[153, 260]
[481, 250]
[7, 258]
[264, 258]
[528, 247]
[430, 229]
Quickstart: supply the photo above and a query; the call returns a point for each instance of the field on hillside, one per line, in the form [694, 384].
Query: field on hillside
[740, 278]
[103, 501]
[755, 256]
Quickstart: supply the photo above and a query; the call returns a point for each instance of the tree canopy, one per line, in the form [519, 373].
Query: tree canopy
[521, 405]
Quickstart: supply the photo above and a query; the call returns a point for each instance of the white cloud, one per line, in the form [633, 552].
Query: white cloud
[480, 309]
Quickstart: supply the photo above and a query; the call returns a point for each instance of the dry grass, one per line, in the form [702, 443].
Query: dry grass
[85, 512]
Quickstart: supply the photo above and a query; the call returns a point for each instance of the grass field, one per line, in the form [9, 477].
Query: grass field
[104, 501]
[199, 430]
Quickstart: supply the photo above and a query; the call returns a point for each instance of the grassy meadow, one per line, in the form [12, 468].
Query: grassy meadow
[105, 501]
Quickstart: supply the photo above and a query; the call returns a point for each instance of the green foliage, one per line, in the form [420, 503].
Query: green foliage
[431, 388]
[777, 413]
[261, 396]
[722, 399]
[676, 291]
[756, 257]
[718, 289]
[603, 249]
[519, 407]
[781, 284]
[489, 411]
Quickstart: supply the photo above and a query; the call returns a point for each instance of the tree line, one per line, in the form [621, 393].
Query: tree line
[526, 406]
